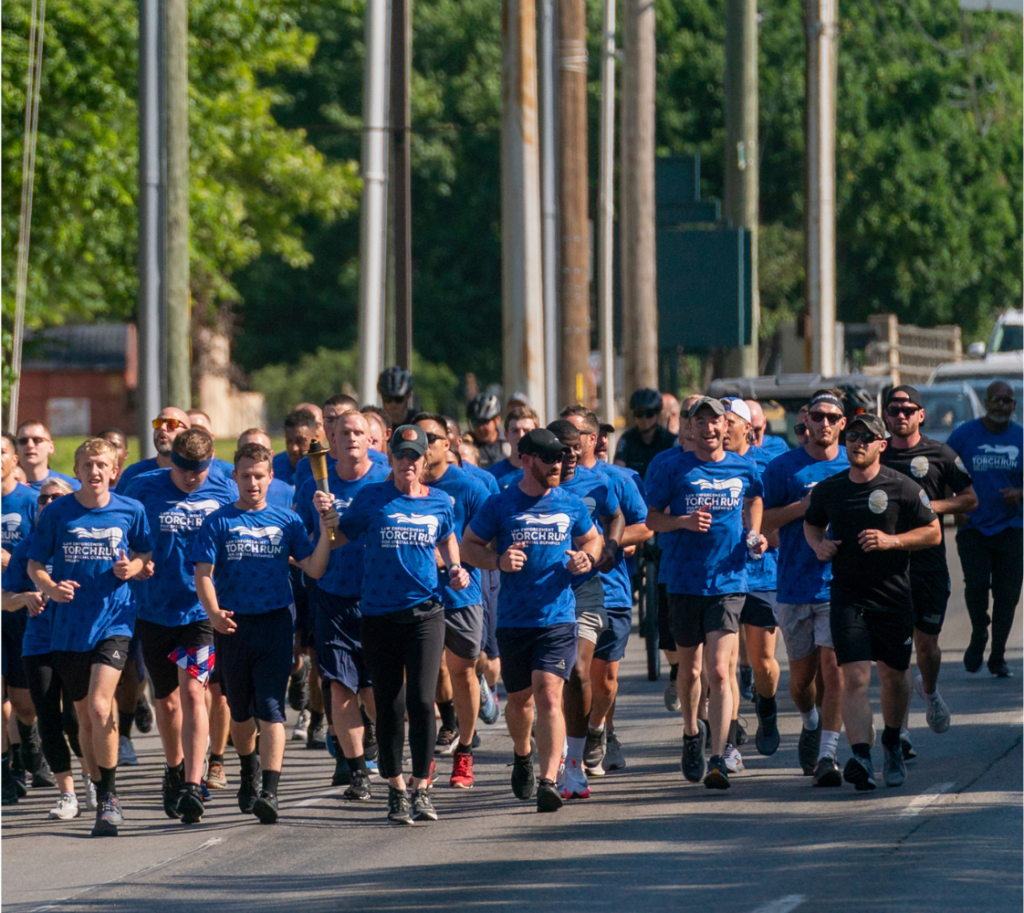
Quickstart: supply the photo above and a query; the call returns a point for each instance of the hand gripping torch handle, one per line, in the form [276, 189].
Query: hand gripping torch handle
[318, 463]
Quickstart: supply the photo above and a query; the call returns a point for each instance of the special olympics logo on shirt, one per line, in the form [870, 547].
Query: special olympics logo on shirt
[254, 542]
[100, 544]
[541, 529]
[996, 456]
[720, 494]
[919, 467]
[409, 529]
[878, 501]
[10, 523]
[186, 516]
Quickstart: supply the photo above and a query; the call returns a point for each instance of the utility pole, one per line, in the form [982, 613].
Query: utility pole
[637, 221]
[549, 201]
[151, 236]
[742, 156]
[606, 215]
[821, 19]
[178, 331]
[572, 198]
[373, 220]
[401, 35]
[522, 305]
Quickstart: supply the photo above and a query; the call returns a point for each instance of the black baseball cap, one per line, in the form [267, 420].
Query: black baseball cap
[607, 427]
[708, 402]
[409, 437]
[912, 395]
[541, 443]
[870, 421]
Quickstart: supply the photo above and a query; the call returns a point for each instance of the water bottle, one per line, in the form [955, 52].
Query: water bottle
[753, 543]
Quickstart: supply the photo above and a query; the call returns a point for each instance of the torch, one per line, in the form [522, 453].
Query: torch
[318, 463]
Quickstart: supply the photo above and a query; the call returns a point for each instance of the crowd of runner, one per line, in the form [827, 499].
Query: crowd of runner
[385, 572]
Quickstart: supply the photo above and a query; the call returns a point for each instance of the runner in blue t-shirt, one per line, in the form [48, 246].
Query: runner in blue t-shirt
[19, 502]
[405, 526]
[37, 690]
[713, 498]
[302, 426]
[166, 427]
[540, 538]
[464, 610]
[35, 447]
[95, 542]
[337, 596]
[803, 607]
[177, 636]
[241, 560]
[990, 545]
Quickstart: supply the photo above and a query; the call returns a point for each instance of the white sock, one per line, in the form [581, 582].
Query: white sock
[596, 728]
[810, 718]
[933, 697]
[575, 750]
[829, 744]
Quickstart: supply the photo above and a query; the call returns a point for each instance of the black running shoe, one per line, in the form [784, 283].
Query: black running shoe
[999, 669]
[861, 773]
[807, 748]
[143, 715]
[693, 764]
[447, 741]
[108, 817]
[717, 776]
[249, 791]
[741, 733]
[767, 737]
[369, 740]
[316, 736]
[190, 804]
[706, 728]
[422, 808]
[523, 780]
[973, 657]
[548, 799]
[359, 788]
[298, 685]
[342, 772]
[171, 789]
[265, 807]
[827, 773]
[907, 747]
[42, 776]
[9, 790]
[398, 806]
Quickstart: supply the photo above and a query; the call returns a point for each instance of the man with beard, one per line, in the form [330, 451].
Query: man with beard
[166, 427]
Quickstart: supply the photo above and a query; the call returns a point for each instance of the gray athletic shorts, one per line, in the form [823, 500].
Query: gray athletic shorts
[805, 627]
[464, 630]
[590, 612]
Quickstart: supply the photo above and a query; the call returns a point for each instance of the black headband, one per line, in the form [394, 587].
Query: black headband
[190, 465]
[827, 398]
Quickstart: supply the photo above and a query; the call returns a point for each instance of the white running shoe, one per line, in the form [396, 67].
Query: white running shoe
[301, 730]
[126, 752]
[733, 759]
[574, 781]
[66, 808]
[936, 712]
[90, 792]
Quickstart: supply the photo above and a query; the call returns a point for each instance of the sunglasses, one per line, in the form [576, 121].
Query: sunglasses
[24, 441]
[868, 437]
[800, 428]
[406, 454]
[1002, 400]
[46, 499]
[393, 399]
[551, 460]
[896, 411]
[820, 418]
[434, 438]
[646, 413]
[171, 424]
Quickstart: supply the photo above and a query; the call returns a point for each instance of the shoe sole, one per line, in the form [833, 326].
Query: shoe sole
[425, 816]
[598, 771]
[400, 821]
[715, 779]
[830, 778]
[53, 817]
[217, 784]
[612, 767]
[265, 812]
[353, 798]
[453, 785]
[889, 783]
[568, 795]
[861, 784]
[109, 830]
[444, 751]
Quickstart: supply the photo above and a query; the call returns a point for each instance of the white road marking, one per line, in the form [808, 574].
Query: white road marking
[919, 803]
[782, 905]
[305, 803]
[213, 841]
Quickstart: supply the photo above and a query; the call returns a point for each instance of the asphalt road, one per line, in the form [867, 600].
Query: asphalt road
[950, 838]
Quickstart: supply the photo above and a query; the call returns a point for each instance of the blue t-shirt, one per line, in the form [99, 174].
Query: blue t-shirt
[344, 574]
[280, 494]
[667, 542]
[483, 477]
[36, 640]
[304, 471]
[762, 572]
[715, 562]
[175, 517]
[282, 467]
[802, 578]
[19, 512]
[618, 582]
[401, 533]
[994, 462]
[597, 491]
[468, 496]
[136, 469]
[53, 474]
[541, 593]
[509, 479]
[83, 544]
[249, 551]
[774, 446]
[501, 468]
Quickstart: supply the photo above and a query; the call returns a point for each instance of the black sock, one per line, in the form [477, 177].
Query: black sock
[15, 755]
[521, 757]
[891, 737]
[767, 705]
[217, 759]
[316, 717]
[125, 722]
[249, 764]
[448, 718]
[464, 749]
[862, 750]
[357, 763]
[673, 672]
[271, 778]
[336, 744]
[107, 786]
[31, 749]
[731, 739]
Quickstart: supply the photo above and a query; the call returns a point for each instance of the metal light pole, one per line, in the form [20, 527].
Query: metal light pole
[401, 35]
[606, 216]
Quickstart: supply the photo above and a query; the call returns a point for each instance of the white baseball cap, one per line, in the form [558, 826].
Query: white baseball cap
[733, 404]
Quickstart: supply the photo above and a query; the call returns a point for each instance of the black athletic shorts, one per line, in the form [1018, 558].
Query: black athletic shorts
[339, 646]
[257, 662]
[860, 635]
[303, 588]
[75, 668]
[528, 650]
[931, 596]
[666, 640]
[759, 610]
[12, 633]
[694, 617]
[159, 641]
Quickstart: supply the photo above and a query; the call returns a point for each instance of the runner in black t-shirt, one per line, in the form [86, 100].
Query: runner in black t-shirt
[645, 440]
[866, 521]
[938, 470]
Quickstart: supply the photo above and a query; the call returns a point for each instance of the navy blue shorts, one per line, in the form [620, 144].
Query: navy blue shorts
[339, 647]
[528, 650]
[303, 595]
[256, 662]
[12, 633]
[611, 645]
[759, 610]
[490, 585]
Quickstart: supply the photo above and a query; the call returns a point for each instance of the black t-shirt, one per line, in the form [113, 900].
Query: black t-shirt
[637, 455]
[937, 469]
[890, 502]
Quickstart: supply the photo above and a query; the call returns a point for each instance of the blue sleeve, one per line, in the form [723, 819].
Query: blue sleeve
[772, 486]
[299, 547]
[611, 500]
[484, 522]
[139, 538]
[446, 525]
[582, 524]
[476, 497]
[633, 507]
[304, 508]
[755, 489]
[357, 518]
[658, 489]
[44, 539]
[956, 439]
[15, 577]
[206, 544]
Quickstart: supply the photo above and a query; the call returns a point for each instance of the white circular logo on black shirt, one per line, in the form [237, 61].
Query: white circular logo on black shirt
[919, 467]
[925, 500]
[878, 501]
[960, 464]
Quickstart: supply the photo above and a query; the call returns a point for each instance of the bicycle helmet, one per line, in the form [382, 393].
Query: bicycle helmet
[645, 398]
[483, 407]
[395, 381]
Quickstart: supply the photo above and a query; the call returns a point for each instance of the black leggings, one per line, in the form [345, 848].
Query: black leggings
[991, 563]
[404, 659]
[55, 721]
